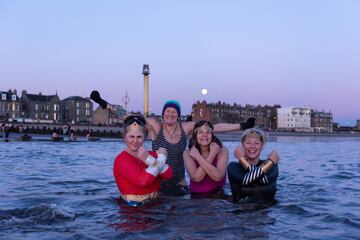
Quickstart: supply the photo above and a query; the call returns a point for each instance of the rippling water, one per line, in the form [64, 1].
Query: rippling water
[66, 191]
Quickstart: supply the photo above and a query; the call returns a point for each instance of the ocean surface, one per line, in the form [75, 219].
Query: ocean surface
[66, 190]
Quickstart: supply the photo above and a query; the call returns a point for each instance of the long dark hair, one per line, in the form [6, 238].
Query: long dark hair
[193, 139]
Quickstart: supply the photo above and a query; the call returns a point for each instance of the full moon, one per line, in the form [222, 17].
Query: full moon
[204, 91]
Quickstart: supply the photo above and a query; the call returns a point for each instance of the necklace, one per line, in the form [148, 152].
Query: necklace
[171, 134]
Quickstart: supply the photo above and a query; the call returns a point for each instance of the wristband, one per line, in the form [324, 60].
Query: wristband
[244, 163]
[271, 161]
[165, 168]
[267, 165]
[150, 160]
[160, 161]
[153, 170]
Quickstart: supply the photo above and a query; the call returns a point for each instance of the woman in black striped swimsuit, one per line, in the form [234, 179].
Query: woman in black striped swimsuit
[251, 177]
[172, 135]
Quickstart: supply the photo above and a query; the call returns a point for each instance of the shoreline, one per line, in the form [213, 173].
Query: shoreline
[230, 136]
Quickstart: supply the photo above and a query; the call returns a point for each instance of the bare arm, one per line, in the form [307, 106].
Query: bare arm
[226, 127]
[217, 172]
[196, 173]
[188, 127]
[153, 126]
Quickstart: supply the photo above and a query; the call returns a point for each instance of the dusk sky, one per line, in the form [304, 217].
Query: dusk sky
[292, 53]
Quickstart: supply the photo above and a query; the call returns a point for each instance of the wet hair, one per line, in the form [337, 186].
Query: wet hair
[256, 131]
[193, 139]
[139, 120]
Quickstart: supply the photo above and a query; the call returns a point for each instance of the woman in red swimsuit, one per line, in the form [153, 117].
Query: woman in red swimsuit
[138, 172]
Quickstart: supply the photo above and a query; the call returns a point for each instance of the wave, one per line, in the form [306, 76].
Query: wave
[39, 214]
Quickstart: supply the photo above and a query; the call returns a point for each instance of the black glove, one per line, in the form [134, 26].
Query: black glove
[250, 123]
[95, 96]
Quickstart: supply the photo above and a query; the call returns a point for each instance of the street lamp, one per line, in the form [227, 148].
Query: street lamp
[146, 73]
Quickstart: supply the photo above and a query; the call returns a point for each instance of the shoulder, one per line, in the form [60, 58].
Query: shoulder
[224, 150]
[186, 153]
[121, 155]
[122, 158]
[224, 153]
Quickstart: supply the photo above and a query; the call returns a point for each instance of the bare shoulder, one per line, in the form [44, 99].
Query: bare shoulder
[186, 152]
[224, 152]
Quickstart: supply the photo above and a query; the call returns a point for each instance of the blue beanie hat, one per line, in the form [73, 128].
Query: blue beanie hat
[174, 104]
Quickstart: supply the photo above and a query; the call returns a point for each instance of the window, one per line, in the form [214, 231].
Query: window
[36, 107]
[87, 105]
[36, 116]
[55, 107]
[77, 104]
[13, 97]
[3, 96]
[46, 116]
[77, 112]
[87, 112]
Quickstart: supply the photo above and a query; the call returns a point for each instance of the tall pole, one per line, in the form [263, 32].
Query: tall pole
[146, 73]
[126, 100]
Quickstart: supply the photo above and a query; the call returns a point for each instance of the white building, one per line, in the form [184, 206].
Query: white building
[294, 119]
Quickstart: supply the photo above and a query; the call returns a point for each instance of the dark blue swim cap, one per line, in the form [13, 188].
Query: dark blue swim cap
[174, 104]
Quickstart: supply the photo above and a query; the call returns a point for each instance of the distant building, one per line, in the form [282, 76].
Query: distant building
[105, 118]
[321, 121]
[294, 119]
[10, 105]
[226, 113]
[41, 108]
[357, 125]
[77, 110]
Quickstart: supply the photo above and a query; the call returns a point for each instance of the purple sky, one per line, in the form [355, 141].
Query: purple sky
[292, 53]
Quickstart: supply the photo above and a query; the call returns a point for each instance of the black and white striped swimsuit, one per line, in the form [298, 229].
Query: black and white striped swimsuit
[174, 155]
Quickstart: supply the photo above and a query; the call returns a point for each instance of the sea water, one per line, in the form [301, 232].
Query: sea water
[66, 190]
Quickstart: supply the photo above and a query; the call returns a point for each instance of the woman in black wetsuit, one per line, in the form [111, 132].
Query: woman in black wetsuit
[252, 177]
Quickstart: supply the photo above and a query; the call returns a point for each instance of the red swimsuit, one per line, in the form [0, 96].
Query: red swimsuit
[131, 177]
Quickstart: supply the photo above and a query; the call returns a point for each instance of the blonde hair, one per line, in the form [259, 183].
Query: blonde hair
[258, 132]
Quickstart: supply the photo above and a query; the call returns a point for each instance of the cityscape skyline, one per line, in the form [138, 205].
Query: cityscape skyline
[298, 53]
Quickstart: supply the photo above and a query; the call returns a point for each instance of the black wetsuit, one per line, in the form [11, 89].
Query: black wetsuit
[262, 189]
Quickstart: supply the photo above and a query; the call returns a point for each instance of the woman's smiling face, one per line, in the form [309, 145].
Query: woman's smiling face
[253, 146]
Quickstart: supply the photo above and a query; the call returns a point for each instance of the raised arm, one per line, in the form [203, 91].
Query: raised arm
[227, 127]
[95, 96]
[153, 126]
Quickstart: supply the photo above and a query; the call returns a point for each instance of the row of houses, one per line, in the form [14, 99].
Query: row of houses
[79, 110]
[39, 108]
[267, 117]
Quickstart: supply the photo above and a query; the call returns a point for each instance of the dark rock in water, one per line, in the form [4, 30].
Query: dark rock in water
[57, 139]
[25, 137]
[92, 139]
